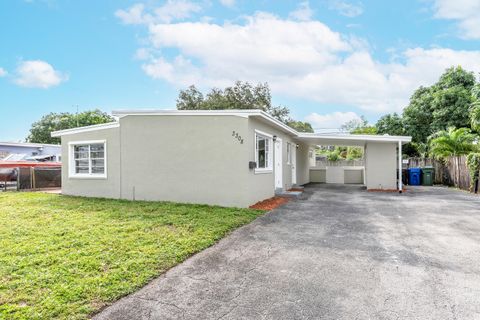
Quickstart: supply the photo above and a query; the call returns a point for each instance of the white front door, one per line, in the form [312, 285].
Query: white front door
[278, 172]
[294, 163]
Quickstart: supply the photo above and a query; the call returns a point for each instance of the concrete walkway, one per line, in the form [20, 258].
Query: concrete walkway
[338, 253]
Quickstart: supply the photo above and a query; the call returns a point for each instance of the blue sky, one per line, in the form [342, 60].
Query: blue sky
[329, 61]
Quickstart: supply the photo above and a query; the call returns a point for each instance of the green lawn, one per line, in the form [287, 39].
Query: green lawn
[66, 257]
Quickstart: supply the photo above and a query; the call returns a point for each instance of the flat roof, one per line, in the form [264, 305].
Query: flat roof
[317, 138]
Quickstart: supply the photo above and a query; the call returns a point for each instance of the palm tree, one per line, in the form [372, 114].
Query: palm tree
[452, 142]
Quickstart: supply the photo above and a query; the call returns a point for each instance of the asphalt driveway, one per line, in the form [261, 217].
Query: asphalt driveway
[338, 253]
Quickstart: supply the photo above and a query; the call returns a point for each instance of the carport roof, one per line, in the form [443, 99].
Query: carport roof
[349, 139]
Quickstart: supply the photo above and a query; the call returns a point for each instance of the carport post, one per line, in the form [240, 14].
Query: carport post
[400, 185]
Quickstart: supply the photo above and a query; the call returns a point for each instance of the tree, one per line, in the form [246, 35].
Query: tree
[418, 115]
[447, 103]
[452, 142]
[41, 130]
[475, 108]
[242, 95]
[300, 126]
[358, 126]
[391, 124]
[451, 108]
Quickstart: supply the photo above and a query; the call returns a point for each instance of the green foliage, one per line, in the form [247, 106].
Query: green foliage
[240, 96]
[473, 163]
[301, 126]
[333, 155]
[40, 130]
[475, 108]
[369, 130]
[66, 257]
[451, 108]
[354, 153]
[453, 142]
[391, 124]
[418, 115]
[358, 126]
[445, 104]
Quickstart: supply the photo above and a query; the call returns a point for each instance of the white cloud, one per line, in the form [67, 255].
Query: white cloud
[303, 12]
[466, 12]
[330, 121]
[3, 72]
[172, 10]
[38, 74]
[345, 8]
[303, 59]
[228, 3]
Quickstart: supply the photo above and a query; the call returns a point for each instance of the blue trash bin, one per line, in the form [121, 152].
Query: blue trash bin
[414, 175]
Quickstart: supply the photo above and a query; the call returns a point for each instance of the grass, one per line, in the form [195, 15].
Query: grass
[66, 257]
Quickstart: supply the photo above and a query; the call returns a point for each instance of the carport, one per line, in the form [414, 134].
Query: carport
[382, 156]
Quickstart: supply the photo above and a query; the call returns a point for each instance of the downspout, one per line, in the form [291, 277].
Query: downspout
[400, 184]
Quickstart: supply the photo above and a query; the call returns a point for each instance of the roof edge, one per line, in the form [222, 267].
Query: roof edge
[94, 127]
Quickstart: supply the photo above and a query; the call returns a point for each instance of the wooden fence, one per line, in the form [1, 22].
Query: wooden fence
[453, 172]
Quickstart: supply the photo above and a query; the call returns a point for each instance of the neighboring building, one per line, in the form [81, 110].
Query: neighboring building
[19, 151]
[228, 157]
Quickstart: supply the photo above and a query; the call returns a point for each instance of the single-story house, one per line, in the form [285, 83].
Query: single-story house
[220, 157]
[16, 151]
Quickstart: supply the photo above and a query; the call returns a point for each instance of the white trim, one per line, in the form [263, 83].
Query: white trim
[94, 127]
[289, 153]
[400, 184]
[355, 137]
[268, 153]
[71, 161]
[268, 135]
[278, 159]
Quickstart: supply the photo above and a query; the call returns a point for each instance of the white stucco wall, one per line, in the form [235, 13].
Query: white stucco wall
[381, 165]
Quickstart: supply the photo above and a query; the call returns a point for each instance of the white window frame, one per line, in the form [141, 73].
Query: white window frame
[289, 153]
[71, 161]
[269, 155]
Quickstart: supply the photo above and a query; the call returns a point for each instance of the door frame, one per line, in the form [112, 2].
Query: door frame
[294, 163]
[278, 164]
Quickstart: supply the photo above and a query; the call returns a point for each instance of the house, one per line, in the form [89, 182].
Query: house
[16, 151]
[220, 157]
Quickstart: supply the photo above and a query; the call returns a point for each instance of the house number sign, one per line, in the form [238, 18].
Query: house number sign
[237, 136]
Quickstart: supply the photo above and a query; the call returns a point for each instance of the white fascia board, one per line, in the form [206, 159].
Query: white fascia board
[94, 127]
[174, 112]
[355, 137]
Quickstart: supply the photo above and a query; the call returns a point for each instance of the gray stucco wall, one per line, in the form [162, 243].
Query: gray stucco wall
[192, 159]
[262, 185]
[381, 165]
[108, 187]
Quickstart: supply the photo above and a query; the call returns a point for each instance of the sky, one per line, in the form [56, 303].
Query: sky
[329, 61]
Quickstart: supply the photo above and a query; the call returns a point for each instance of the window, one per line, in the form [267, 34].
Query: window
[88, 159]
[263, 152]
[289, 153]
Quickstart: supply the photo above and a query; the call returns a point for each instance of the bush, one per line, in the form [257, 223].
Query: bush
[473, 163]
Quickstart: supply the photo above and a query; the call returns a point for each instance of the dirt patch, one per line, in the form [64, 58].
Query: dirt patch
[270, 204]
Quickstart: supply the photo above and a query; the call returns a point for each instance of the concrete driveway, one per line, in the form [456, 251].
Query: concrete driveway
[338, 253]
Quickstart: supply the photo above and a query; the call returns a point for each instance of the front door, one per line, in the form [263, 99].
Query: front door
[278, 164]
[294, 164]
